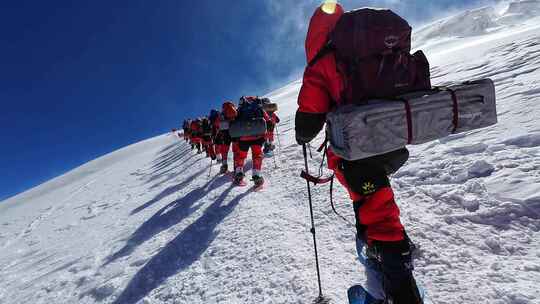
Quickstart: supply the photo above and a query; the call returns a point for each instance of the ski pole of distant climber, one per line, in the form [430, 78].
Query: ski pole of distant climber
[320, 299]
[278, 141]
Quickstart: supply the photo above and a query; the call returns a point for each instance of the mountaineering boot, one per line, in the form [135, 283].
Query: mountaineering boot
[258, 180]
[223, 169]
[238, 178]
[395, 258]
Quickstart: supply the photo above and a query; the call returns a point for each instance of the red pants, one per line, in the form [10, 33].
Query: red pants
[210, 150]
[370, 190]
[242, 148]
[224, 151]
[269, 136]
[223, 143]
[209, 147]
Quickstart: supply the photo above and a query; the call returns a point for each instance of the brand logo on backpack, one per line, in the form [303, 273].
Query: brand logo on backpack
[391, 41]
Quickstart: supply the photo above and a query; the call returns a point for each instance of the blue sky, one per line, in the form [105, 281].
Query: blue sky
[79, 79]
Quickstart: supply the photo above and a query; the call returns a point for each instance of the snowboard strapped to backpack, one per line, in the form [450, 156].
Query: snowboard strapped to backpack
[383, 125]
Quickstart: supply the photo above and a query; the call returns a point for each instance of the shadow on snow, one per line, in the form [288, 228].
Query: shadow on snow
[167, 217]
[170, 190]
[169, 174]
[169, 157]
[167, 161]
[181, 252]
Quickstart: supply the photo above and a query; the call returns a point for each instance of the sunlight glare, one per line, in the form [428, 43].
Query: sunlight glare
[329, 6]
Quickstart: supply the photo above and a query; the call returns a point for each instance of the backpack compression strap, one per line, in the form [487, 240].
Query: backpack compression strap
[325, 50]
[409, 119]
[455, 106]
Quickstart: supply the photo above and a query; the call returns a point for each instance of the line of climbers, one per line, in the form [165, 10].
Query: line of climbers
[375, 98]
[251, 124]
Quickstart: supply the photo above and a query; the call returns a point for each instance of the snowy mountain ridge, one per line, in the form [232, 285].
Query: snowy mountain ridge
[154, 223]
[478, 22]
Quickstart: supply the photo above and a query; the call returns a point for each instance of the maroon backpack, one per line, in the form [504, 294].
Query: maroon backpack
[372, 49]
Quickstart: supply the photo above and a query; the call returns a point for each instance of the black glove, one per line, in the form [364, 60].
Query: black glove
[302, 140]
[308, 125]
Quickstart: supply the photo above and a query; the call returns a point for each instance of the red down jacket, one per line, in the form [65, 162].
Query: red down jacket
[196, 131]
[321, 90]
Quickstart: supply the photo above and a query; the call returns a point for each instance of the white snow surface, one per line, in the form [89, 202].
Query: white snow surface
[151, 224]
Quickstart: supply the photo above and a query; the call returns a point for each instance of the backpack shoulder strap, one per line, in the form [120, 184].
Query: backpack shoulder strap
[325, 50]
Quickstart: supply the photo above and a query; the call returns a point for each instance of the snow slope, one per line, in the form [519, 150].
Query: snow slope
[149, 224]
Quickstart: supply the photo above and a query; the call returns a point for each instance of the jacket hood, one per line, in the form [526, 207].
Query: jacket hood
[320, 26]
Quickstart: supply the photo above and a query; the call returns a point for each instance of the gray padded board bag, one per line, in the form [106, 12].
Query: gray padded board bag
[254, 127]
[380, 126]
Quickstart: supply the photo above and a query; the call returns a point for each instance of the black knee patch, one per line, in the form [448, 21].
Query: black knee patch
[245, 144]
[364, 177]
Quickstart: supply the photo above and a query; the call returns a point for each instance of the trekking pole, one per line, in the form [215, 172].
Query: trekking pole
[279, 142]
[210, 171]
[320, 299]
[275, 164]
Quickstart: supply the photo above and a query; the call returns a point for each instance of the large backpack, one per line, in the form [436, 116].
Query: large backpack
[249, 121]
[195, 127]
[372, 50]
[206, 127]
[250, 111]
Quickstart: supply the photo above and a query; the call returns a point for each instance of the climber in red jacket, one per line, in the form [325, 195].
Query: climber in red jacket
[376, 212]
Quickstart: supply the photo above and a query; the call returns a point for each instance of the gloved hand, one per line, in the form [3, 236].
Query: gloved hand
[308, 125]
[302, 140]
